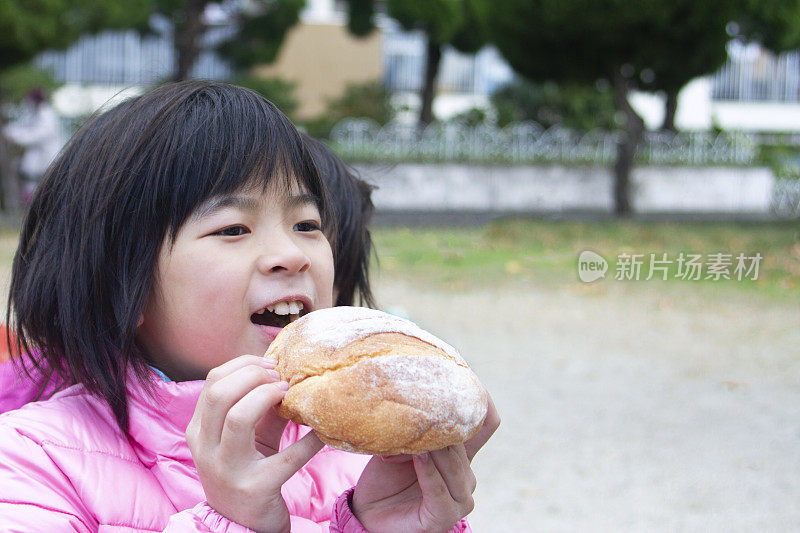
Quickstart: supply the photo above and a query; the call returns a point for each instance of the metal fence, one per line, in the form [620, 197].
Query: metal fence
[528, 142]
[127, 58]
[404, 66]
[786, 198]
[759, 77]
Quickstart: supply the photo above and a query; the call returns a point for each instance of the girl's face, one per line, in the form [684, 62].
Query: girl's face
[239, 269]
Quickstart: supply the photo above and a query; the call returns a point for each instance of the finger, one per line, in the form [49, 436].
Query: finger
[235, 364]
[193, 430]
[227, 368]
[395, 459]
[219, 397]
[472, 481]
[453, 466]
[490, 425]
[283, 465]
[238, 432]
[269, 431]
[437, 505]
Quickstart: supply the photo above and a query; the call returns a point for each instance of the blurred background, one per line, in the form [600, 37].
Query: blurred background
[652, 384]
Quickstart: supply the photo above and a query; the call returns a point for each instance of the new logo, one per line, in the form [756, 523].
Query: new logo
[591, 266]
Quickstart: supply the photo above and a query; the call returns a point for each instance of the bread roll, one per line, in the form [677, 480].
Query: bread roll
[370, 382]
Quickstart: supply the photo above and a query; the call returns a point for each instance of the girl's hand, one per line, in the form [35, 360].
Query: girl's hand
[234, 437]
[429, 492]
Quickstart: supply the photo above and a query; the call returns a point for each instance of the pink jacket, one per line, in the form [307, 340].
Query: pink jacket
[66, 466]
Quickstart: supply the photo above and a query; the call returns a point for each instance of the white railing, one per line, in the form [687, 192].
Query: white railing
[127, 58]
[759, 77]
[786, 198]
[404, 65]
[528, 142]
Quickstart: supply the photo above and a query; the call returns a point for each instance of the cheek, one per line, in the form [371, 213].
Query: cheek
[202, 291]
[325, 275]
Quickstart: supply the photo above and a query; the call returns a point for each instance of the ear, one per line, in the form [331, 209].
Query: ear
[140, 321]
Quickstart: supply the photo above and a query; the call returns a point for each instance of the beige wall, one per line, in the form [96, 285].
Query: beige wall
[323, 60]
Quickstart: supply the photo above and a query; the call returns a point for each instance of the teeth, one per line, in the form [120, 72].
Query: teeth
[284, 308]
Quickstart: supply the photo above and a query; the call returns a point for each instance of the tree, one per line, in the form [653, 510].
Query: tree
[698, 37]
[576, 106]
[27, 28]
[261, 32]
[775, 24]
[459, 23]
[261, 28]
[622, 41]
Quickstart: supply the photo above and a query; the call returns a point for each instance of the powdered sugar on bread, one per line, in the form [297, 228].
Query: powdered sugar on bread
[337, 327]
[452, 394]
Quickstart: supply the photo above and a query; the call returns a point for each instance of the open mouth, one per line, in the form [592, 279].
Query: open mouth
[279, 314]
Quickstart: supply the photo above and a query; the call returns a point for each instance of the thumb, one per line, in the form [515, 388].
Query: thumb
[286, 463]
[490, 425]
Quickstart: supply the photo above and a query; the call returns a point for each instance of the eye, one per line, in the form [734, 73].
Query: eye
[307, 226]
[232, 231]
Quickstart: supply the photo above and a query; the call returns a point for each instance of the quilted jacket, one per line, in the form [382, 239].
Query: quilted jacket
[66, 466]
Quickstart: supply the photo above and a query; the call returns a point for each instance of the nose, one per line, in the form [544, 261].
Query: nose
[282, 254]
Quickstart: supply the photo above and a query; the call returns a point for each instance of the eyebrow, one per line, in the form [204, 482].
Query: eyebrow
[218, 203]
[302, 200]
[248, 203]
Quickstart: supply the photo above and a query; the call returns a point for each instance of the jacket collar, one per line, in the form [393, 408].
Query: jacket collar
[159, 414]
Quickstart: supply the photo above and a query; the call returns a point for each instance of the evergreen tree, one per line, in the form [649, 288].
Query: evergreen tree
[634, 44]
[459, 23]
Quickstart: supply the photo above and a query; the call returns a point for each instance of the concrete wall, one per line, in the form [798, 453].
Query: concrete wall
[554, 189]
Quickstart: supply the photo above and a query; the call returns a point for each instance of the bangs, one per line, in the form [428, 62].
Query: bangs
[229, 142]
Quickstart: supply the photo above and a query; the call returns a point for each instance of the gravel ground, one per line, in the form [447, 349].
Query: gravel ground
[625, 408]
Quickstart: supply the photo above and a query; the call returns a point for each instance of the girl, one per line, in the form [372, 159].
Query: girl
[169, 243]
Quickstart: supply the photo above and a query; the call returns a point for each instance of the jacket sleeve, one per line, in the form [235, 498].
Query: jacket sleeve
[34, 493]
[344, 521]
[204, 518]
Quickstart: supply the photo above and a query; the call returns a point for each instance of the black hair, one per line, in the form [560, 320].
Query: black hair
[351, 210]
[122, 187]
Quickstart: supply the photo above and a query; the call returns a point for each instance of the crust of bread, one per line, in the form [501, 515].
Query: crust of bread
[385, 393]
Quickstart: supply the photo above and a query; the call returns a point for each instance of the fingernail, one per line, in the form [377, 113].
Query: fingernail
[283, 385]
[274, 374]
[269, 361]
[423, 457]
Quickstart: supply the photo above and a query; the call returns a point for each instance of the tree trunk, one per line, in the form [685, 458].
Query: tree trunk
[188, 29]
[671, 107]
[432, 58]
[9, 177]
[626, 150]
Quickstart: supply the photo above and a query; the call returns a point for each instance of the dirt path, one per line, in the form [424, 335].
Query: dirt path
[626, 409]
